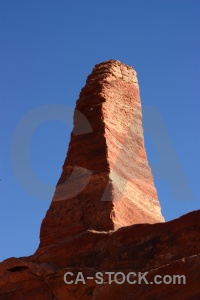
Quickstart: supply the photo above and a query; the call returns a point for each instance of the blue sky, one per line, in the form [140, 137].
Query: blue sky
[48, 48]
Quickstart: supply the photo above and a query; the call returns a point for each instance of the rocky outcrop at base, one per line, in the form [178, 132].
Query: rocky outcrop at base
[170, 248]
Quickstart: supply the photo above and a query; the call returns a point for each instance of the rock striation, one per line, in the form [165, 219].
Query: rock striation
[106, 182]
[105, 214]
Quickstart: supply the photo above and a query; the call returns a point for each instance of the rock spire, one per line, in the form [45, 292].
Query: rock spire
[106, 182]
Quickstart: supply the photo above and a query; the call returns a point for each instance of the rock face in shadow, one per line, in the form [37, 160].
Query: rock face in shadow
[105, 215]
[170, 248]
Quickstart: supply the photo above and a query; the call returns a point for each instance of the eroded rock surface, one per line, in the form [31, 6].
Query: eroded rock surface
[170, 248]
[105, 214]
[108, 158]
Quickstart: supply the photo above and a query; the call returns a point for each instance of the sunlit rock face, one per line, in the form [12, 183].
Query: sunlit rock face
[106, 182]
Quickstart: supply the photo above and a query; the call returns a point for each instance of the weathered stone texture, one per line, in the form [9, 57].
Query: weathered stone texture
[170, 248]
[105, 214]
[119, 188]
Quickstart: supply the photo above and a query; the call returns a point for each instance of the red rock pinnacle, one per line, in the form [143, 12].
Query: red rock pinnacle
[106, 181]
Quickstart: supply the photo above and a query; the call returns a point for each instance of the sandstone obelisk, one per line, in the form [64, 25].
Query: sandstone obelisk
[106, 182]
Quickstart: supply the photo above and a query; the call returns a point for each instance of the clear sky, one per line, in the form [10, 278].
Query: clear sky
[48, 48]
